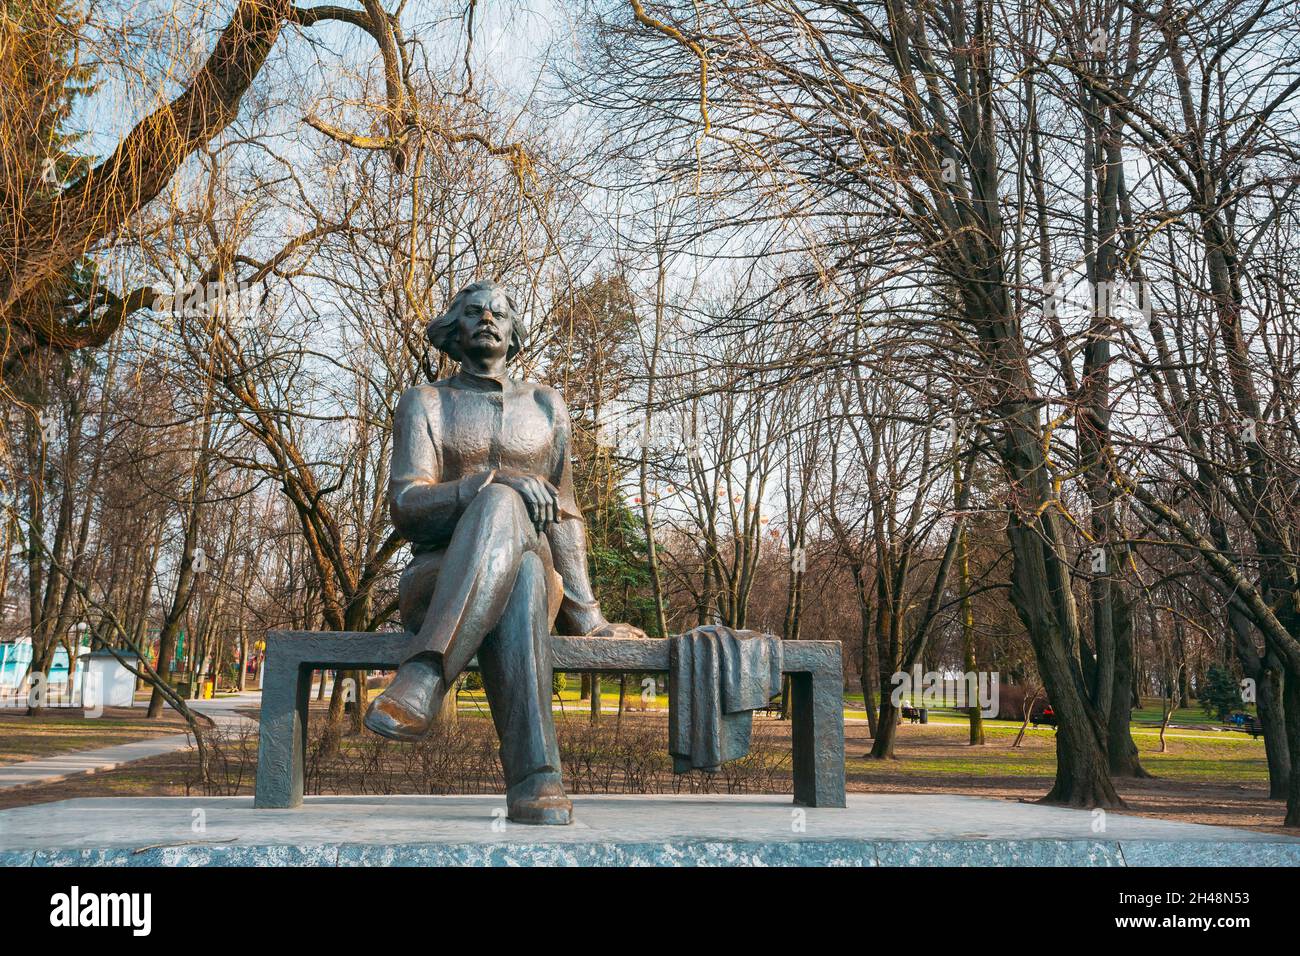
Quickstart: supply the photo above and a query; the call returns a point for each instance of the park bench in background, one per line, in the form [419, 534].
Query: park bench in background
[915, 715]
[1247, 723]
[816, 699]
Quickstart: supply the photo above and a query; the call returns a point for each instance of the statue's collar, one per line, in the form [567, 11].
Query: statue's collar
[482, 383]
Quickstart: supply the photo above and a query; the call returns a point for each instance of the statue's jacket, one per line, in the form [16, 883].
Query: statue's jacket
[448, 438]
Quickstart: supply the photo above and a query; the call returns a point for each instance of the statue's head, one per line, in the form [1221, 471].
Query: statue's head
[481, 322]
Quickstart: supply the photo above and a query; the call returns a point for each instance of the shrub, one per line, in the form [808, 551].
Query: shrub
[460, 756]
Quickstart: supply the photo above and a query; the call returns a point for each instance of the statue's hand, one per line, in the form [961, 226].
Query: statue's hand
[540, 496]
[624, 631]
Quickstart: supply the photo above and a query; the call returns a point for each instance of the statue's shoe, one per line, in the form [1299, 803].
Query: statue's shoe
[539, 799]
[406, 709]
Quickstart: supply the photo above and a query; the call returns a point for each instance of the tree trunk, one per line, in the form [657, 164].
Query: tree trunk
[882, 748]
[1121, 751]
[359, 701]
[1291, 707]
[241, 682]
[976, 737]
[1082, 772]
[869, 674]
[450, 712]
[888, 654]
[337, 694]
[185, 579]
[1184, 688]
[166, 651]
[1266, 671]
[1269, 696]
[622, 701]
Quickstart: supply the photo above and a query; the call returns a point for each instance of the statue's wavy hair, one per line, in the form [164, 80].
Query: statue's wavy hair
[443, 332]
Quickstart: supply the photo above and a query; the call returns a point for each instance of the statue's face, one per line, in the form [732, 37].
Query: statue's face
[485, 325]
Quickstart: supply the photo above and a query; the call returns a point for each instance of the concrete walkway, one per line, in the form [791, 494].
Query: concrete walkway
[63, 766]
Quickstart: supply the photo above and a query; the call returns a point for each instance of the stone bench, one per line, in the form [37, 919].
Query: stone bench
[816, 697]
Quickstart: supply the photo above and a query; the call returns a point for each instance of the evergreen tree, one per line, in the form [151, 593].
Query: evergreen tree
[591, 363]
[1221, 695]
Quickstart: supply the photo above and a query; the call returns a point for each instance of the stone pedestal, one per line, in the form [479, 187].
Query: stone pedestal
[874, 830]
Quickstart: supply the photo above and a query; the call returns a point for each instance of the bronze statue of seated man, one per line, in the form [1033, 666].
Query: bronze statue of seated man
[482, 487]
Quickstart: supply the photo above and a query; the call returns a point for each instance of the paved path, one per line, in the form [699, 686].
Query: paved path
[62, 766]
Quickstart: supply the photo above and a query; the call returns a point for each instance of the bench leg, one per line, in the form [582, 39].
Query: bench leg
[282, 740]
[817, 711]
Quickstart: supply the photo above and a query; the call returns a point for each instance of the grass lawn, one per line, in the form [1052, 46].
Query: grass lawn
[23, 738]
[941, 750]
[1151, 713]
[475, 701]
[1218, 778]
[29, 738]
[938, 751]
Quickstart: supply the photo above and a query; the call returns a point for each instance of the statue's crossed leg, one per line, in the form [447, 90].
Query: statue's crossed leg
[490, 599]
